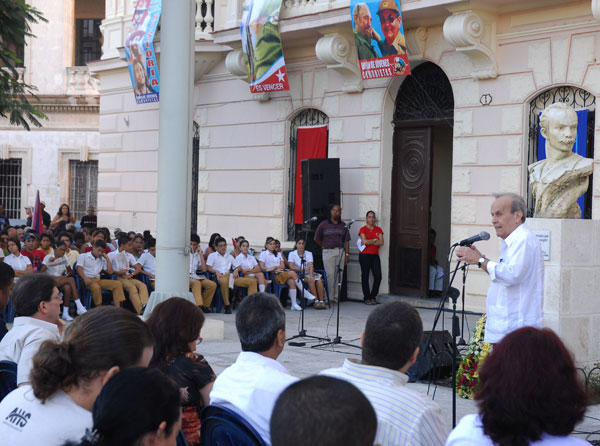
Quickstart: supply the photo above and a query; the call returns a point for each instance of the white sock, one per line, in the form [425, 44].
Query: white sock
[65, 310]
[261, 288]
[295, 305]
[79, 304]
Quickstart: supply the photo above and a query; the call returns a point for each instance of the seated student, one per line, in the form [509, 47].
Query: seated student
[7, 281]
[247, 264]
[79, 242]
[530, 393]
[341, 415]
[36, 301]
[271, 260]
[124, 264]
[235, 251]
[278, 250]
[68, 375]
[147, 262]
[4, 243]
[211, 245]
[98, 234]
[90, 266]
[58, 267]
[176, 324]
[151, 396]
[71, 254]
[46, 242]
[19, 263]
[32, 252]
[220, 263]
[137, 246]
[251, 385]
[315, 285]
[198, 283]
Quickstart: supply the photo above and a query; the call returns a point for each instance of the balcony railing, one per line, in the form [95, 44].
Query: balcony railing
[205, 19]
[80, 82]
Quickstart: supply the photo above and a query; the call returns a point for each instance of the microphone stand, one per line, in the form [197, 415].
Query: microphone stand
[338, 275]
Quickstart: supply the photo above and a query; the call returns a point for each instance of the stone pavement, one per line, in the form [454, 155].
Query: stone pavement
[303, 361]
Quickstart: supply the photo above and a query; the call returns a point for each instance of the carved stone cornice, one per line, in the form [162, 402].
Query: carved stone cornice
[415, 42]
[67, 104]
[335, 52]
[471, 35]
[235, 62]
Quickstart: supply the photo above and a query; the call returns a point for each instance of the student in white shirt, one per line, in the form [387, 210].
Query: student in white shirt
[67, 377]
[124, 264]
[220, 263]
[57, 265]
[315, 285]
[72, 255]
[248, 265]
[147, 262]
[271, 261]
[90, 266]
[20, 263]
[200, 284]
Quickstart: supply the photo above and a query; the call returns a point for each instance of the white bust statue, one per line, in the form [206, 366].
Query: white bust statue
[559, 180]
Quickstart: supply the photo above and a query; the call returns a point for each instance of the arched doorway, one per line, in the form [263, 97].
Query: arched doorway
[421, 178]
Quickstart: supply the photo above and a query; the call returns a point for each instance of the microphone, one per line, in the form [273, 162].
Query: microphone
[350, 223]
[483, 235]
[311, 219]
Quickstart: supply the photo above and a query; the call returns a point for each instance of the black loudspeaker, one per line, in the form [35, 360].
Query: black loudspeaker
[320, 188]
[435, 362]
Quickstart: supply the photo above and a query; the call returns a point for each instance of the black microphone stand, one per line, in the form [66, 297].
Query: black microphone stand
[338, 275]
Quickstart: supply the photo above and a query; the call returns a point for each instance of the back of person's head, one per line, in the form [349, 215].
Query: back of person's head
[258, 320]
[151, 242]
[30, 291]
[123, 238]
[100, 244]
[147, 394]
[392, 334]
[7, 278]
[529, 386]
[334, 412]
[212, 239]
[174, 323]
[78, 236]
[195, 238]
[96, 341]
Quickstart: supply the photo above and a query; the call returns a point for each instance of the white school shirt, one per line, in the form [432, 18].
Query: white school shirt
[23, 341]
[121, 260]
[18, 263]
[221, 263]
[294, 258]
[25, 421]
[246, 262]
[57, 267]
[195, 262]
[92, 266]
[148, 262]
[270, 260]
[516, 295]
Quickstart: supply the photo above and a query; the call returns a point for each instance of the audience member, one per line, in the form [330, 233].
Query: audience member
[529, 394]
[147, 262]
[36, 301]
[137, 246]
[45, 215]
[20, 236]
[175, 325]
[67, 377]
[252, 384]
[99, 234]
[90, 266]
[271, 261]
[334, 412]
[90, 220]
[211, 245]
[62, 218]
[390, 346]
[7, 281]
[124, 264]
[4, 221]
[300, 260]
[197, 283]
[32, 252]
[248, 266]
[4, 243]
[80, 242]
[72, 255]
[58, 266]
[236, 246]
[46, 242]
[19, 263]
[371, 237]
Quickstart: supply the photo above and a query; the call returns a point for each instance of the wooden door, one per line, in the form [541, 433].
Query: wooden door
[409, 229]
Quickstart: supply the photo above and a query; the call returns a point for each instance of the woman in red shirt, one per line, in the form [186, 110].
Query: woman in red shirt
[372, 238]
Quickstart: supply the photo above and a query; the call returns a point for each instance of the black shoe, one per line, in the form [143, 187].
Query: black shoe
[227, 309]
[206, 309]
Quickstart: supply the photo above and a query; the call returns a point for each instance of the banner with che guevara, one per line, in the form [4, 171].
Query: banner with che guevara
[379, 37]
[261, 44]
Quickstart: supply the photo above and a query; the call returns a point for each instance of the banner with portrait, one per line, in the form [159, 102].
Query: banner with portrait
[379, 38]
[261, 44]
[140, 54]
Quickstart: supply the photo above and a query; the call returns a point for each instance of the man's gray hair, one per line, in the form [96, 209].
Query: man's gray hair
[518, 203]
[545, 116]
[258, 320]
[357, 7]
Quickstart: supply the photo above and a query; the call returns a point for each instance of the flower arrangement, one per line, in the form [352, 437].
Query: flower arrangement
[467, 374]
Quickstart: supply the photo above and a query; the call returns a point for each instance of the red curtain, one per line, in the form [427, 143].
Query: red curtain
[311, 142]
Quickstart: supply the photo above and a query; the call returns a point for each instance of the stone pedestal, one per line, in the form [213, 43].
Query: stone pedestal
[572, 284]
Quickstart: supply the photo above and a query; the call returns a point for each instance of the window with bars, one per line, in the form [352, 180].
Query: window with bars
[10, 187]
[83, 186]
[88, 44]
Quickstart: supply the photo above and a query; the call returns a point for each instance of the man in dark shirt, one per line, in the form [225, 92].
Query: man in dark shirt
[90, 220]
[332, 235]
[45, 216]
[4, 222]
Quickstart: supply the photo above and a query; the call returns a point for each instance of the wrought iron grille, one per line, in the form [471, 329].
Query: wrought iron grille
[83, 186]
[425, 95]
[195, 168]
[577, 98]
[10, 187]
[306, 117]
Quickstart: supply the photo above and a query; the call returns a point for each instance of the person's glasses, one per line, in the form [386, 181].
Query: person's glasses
[390, 18]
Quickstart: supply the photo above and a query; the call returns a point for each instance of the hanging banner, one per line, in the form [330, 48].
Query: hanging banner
[379, 37]
[140, 54]
[261, 44]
